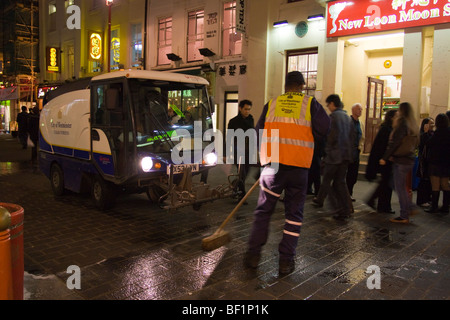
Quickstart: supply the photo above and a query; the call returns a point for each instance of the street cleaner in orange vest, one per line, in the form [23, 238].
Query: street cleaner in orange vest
[290, 123]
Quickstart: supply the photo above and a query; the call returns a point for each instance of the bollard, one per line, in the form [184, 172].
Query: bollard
[16, 240]
[6, 283]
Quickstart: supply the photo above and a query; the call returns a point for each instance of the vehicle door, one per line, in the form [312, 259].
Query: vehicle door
[111, 133]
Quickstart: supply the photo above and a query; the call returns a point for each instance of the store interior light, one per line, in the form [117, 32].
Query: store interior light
[281, 23]
[316, 17]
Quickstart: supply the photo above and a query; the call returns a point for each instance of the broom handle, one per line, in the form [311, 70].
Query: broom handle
[238, 205]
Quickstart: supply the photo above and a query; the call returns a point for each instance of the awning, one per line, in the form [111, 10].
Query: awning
[10, 93]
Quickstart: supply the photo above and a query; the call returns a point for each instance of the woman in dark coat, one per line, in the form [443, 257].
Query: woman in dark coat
[384, 190]
[424, 187]
[438, 157]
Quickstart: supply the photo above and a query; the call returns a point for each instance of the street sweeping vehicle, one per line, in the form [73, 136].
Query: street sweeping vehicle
[130, 132]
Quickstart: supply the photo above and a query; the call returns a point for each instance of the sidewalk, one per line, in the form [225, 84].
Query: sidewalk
[137, 251]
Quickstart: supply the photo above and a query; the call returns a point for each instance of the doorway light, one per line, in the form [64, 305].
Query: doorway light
[281, 23]
[377, 37]
[316, 17]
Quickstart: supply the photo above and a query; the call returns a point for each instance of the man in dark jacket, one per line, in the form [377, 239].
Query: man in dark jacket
[33, 131]
[338, 154]
[22, 120]
[244, 120]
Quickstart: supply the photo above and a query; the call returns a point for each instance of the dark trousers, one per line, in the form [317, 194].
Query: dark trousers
[423, 191]
[23, 137]
[352, 175]
[383, 192]
[334, 185]
[293, 180]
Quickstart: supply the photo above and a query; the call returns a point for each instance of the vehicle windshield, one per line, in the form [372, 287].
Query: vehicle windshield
[161, 107]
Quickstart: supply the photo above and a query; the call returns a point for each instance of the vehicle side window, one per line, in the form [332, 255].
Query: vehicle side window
[107, 104]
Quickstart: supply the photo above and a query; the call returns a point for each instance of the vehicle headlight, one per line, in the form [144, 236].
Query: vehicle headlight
[211, 159]
[146, 164]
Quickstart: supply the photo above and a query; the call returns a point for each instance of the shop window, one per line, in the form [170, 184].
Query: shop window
[136, 44]
[231, 40]
[164, 40]
[195, 34]
[306, 62]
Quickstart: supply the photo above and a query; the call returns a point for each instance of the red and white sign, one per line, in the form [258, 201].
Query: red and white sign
[361, 16]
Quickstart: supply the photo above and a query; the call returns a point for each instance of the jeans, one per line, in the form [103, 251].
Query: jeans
[401, 171]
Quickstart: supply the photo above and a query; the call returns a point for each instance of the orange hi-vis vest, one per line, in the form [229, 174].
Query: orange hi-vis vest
[287, 137]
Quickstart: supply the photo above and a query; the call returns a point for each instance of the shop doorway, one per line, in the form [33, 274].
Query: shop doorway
[374, 114]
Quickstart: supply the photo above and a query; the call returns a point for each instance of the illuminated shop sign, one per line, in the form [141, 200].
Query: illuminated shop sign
[361, 16]
[95, 46]
[52, 56]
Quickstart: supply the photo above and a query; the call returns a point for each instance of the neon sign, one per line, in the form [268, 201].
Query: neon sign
[52, 59]
[95, 46]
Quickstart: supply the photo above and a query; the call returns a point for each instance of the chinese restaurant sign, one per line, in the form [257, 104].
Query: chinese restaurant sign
[95, 46]
[362, 16]
[52, 57]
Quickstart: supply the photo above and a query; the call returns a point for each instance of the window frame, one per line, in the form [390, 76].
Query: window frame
[308, 88]
[199, 37]
[228, 31]
[164, 43]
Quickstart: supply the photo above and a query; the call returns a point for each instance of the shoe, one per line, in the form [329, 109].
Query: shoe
[251, 260]
[316, 203]
[341, 217]
[286, 266]
[353, 199]
[399, 220]
[390, 211]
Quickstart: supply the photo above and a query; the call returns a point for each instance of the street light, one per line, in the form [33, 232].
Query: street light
[109, 3]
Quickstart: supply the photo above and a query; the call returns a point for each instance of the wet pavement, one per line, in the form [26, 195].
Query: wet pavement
[137, 251]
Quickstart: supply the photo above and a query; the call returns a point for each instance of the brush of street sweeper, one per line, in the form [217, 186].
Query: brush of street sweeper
[221, 237]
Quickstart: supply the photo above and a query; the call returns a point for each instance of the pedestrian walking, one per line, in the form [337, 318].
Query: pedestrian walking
[315, 175]
[33, 131]
[383, 192]
[401, 151]
[358, 143]
[244, 120]
[424, 186]
[22, 121]
[290, 122]
[438, 158]
[338, 154]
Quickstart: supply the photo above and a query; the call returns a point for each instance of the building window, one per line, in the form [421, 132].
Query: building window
[164, 40]
[52, 16]
[136, 45]
[195, 34]
[306, 62]
[115, 49]
[231, 40]
[68, 3]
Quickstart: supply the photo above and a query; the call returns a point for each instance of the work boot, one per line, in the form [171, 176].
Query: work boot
[434, 202]
[251, 260]
[445, 202]
[286, 266]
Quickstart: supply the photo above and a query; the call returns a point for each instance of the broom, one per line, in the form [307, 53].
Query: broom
[221, 237]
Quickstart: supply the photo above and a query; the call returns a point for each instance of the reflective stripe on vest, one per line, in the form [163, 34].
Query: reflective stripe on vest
[287, 136]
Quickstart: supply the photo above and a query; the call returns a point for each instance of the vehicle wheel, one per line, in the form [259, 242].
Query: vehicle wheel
[102, 193]
[57, 179]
